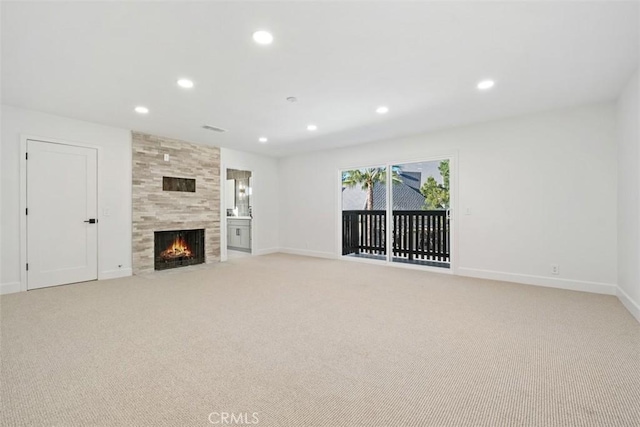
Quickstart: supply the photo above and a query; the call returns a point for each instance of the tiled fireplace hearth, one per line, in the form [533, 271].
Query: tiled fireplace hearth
[174, 197]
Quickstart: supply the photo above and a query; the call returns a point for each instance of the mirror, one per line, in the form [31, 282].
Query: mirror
[238, 193]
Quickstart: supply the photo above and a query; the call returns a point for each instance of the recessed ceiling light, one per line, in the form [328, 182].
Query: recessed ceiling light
[185, 83]
[486, 84]
[382, 110]
[312, 127]
[263, 37]
[141, 110]
[263, 139]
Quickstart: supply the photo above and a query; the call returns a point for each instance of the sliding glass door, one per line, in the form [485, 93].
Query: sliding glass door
[364, 213]
[420, 214]
[398, 213]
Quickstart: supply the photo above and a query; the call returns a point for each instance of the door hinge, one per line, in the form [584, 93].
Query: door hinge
[27, 266]
[26, 211]
[26, 156]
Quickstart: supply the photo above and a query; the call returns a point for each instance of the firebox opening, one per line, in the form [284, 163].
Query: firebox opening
[178, 248]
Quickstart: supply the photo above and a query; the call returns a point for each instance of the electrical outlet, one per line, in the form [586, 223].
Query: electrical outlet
[555, 269]
[166, 157]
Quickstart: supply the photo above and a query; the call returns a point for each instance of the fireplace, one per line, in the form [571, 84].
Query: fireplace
[178, 248]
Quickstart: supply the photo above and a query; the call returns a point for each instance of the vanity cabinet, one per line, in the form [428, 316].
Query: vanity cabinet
[239, 234]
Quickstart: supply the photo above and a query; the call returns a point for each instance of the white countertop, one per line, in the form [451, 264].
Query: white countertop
[239, 217]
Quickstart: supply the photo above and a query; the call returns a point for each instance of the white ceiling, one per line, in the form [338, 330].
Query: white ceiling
[97, 61]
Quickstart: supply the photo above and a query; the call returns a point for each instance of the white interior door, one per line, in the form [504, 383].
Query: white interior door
[62, 229]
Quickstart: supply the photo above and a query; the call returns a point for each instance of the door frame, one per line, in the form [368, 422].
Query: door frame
[23, 197]
[223, 211]
[452, 155]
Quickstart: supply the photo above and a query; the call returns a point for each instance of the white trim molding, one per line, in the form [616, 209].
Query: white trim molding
[305, 252]
[223, 211]
[24, 138]
[628, 303]
[10, 288]
[525, 279]
[572, 285]
[115, 274]
[266, 251]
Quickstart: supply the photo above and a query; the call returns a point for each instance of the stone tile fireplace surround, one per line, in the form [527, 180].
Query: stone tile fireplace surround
[158, 210]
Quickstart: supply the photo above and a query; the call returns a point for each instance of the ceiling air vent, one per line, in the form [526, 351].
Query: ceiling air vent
[213, 128]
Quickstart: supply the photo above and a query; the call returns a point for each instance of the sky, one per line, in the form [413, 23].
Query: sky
[426, 169]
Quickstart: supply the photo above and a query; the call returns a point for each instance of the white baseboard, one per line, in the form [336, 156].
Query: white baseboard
[573, 285]
[266, 251]
[12, 287]
[631, 305]
[305, 252]
[115, 274]
[9, 288]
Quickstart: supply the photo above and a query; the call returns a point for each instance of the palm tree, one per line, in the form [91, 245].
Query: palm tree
[367, 179]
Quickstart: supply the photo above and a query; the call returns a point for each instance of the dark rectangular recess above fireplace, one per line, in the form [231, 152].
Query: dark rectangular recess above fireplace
[170, 183]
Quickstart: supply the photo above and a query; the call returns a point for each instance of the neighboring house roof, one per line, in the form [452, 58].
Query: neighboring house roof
[353, 199]
[406, 195]
[411, 179]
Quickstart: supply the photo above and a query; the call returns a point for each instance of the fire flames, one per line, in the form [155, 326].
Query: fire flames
[178, 249]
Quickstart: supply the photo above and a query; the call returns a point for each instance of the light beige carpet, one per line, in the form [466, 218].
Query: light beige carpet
[311, 342]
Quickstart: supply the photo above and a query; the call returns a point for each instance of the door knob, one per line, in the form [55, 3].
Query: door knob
[92, 221]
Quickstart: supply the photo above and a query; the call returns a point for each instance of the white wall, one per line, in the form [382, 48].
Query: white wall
[114, 188]
[1, 215]
[629, 197]
[541, 190]
[264, 197]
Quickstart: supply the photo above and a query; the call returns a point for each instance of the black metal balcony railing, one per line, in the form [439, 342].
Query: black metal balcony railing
[416, 235]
